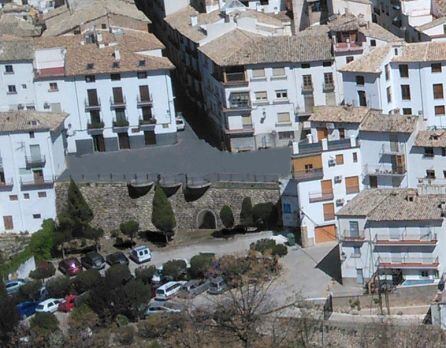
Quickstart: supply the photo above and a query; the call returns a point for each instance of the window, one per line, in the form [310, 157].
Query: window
[389, 94]
[428, 152]
[436, 67]
[31, 135]
[329, 213]
[247, 121]
[26, 195]
[355, 157]
[36, 216]
[104, 26]
[439, 110]
[9, 69]
[23, 86]
[405, 92]
[407, 111]
[286, 135]
[443, 151]
[8, 222]
[305, 66]
[42, 194]
[352, 184]
[287, 208]
[13, 197]
[261, 96]
[404, 70]
[326, 63]
[341, 133]
[360, 80]
[349, 59]
[259, 73]
[328, 79]
[308, 83]
[12, 89]
[373, 43]
[90, 78]
[53, 87]
[283, 117]
[438, 90]
[282, 94]
[356, 251]
[278, 72]
[115, 77]
[430, 174]
[424, 274]
[141, 74]
[339, 159]
[362, 98]
[387, 71]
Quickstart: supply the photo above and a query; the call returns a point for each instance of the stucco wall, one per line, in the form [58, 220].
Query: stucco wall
[111, 203]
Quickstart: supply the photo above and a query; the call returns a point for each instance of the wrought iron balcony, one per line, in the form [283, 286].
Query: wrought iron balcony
[408, 262]
[309, 174]
[427, 239]
[118, 103]
[36, 183]
[352, 236]
[144, 101]
[35, 161]
[93, 105]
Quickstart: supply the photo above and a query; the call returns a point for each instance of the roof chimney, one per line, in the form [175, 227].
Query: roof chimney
[99, 37]
[117, 55]
[194, 20]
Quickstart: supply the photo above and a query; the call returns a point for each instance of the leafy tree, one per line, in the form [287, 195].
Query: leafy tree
[43, 324]
[85, 281]
[264, 245]
[129, 228]
[9, 318]
[163, 217]
[264, 215]
[226, 216]
[117, 275]
[145, 274]
[200, 265]
[58, 287]
[246, 218]
[136, 294]
[30, 290]
[42, 241]
[82, 317]
[44, 269]
[175, 269]
[95, 234]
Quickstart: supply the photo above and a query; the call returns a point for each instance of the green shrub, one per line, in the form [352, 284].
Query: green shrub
[9, 318]
[117, 275]
[31, 289]
[14, 263]
[42, 241]
[129, 228]
[163, 217]
[86, 280]
[44, 323]
[246, 217]
[279, 250]
[175, 269]
[264, 215]
[82, 317]
[226, 216]
[121, 320]
[145, 274]
[264, 245]
[58, 287]
[44, 269]
[200, 265]
[125, 335]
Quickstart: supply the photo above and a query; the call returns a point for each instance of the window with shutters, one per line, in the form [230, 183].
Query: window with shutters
[355, 157]
[258, 73]
[405, 92]
[283, 117]
[438, 90]
[329, 212]
[387, 72]
[278, 72]
[436, 67]
[261, 96]
[308, 83]
[404, 70]
[352, 184]
[439, 110]
[339, 159]
[282, 94]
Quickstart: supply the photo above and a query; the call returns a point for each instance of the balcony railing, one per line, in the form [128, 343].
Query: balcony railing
[408, 262]
[147, 123]
[406, 239]
[247, 129]
[314, 197]
[328, 86]
[120, 123]
[314, 173]
[352, 236]
[307, 88]
[35, 161]
[92, 106]
[144, 101]
[95, 125]
[118, 103]
[6, 185]
[238, 106]
[392, 149]
[384, 170]
[347, 46]
[36, 183]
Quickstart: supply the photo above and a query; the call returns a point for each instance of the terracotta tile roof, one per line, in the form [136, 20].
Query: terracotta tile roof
[422, 52]
[376, 31]
[30, 120]
[343, 114]
[12, 25]
[239, 47]
[394, 205]
[431, 138]
[378, 122]
[371, 62]
[12, 48]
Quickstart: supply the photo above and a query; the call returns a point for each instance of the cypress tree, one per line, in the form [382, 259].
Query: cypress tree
[163, 217]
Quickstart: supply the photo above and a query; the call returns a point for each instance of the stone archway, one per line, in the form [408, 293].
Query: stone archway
[206, 219]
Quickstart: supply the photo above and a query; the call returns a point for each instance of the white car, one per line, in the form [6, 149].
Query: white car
[141, 254]
[163, 307]
[181, 124]
[48, 306]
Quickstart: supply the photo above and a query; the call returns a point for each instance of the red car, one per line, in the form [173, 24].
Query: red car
[70, 267]
[67, 304]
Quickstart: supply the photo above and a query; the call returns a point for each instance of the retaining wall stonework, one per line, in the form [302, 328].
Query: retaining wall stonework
[111, 203]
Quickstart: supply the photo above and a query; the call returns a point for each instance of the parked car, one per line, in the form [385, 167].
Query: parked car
[67, 304]
[179, 120]
[168, 290]
[141, 254]
[13, 286]
[158, 277]
[217, 286]
[194, 287]
[49, 306]
[70, 267]
[26, 309]
[93, 260]
[117, 258]
[163, 307]
[42, 294]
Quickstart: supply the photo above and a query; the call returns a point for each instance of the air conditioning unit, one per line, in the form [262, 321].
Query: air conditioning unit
[331, 163]
[46, 106]
[338, 179]
[339, 202]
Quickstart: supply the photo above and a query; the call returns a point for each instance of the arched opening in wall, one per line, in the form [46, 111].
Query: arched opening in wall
[207, 220]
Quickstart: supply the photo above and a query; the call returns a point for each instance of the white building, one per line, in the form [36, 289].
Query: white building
[115, 85]
[32, 156]
[394, 234]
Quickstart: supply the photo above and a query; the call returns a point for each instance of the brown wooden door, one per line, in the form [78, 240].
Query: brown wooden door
[149, 138]
[99, 143]
[7, 221]
[38, 176]
[92, 97]
[325, 233]
[322, 133]
[329, 213]
[144, 93]
[399, 164]
[118, 98]
[326, 187]
[124, 142]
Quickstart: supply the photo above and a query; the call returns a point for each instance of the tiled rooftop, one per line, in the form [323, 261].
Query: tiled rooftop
[30, 120]
[431, 138]
[343, 114]
[378, 122]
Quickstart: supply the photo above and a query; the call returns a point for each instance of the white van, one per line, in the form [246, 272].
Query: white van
[168, 290]
[141, 254]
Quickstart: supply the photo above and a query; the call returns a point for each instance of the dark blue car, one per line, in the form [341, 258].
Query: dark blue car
[26, 309]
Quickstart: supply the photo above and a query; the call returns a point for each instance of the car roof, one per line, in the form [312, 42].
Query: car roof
[141, 247]
[47, 301]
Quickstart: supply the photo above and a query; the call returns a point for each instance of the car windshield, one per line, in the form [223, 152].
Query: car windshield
[40, 306]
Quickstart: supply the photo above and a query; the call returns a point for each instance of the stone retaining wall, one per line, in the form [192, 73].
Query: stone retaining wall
[111, 203]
